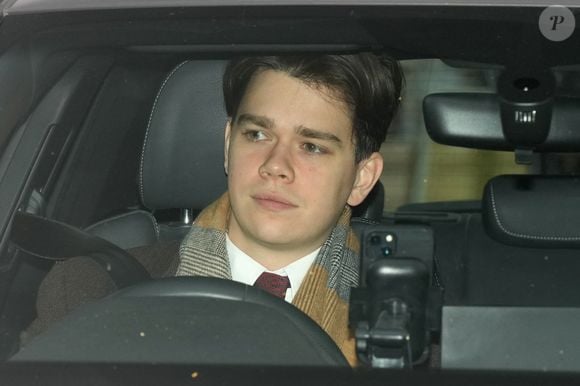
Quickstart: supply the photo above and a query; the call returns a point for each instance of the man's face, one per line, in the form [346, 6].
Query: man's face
[291, 168]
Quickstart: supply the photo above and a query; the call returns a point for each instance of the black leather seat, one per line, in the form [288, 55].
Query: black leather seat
[509, 268]
[182, 157]
[510, 273]
[519, 249]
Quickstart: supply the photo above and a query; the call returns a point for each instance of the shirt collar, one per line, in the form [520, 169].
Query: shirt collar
[246, 270]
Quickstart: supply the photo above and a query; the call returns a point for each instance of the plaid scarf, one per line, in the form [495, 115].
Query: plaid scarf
[324, 293]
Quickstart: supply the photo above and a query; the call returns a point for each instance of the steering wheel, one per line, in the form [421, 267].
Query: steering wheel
[54, 240]
[177, 320]
[182, 320]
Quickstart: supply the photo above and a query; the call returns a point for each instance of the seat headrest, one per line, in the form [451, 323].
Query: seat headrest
[372, 206]
[182, 157]
[533, 211]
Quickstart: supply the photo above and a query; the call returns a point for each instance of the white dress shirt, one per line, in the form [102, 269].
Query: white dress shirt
[246, 270]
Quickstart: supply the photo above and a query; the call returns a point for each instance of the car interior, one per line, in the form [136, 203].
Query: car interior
[111, 138]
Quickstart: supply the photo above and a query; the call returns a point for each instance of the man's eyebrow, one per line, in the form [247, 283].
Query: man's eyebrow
[317, 134]
[303, 131]
[257, 120]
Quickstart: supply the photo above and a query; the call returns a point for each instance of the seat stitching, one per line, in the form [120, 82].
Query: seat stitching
[155, 225]
[116, 217]
[522, 235]
[149, 216]
[161, 89]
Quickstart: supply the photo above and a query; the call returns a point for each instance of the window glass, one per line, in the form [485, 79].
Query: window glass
[420, 170]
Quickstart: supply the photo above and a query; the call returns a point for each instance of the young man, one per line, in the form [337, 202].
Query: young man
[301, 147]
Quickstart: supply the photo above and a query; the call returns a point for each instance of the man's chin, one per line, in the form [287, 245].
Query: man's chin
[277, 240]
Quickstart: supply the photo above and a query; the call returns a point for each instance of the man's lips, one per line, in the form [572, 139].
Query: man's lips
[273, 202]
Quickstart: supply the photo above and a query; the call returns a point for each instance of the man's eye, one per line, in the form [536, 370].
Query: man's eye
[313, 148]
[255, 135]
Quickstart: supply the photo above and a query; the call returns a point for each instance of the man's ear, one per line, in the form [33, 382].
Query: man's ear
[368, 172]
[227, 134]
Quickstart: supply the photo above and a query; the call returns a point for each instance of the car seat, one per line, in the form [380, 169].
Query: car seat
[182, 157]
[509, 265]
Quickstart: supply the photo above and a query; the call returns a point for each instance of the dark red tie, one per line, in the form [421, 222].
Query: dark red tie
[274, 284]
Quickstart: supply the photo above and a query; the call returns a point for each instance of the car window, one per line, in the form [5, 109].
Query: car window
[419, 170]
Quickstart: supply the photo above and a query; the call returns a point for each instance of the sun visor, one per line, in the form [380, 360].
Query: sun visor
[473, 120]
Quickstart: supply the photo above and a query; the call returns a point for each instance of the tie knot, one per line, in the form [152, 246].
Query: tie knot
[274, 284]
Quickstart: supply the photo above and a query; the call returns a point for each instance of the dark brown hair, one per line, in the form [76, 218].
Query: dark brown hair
[369, 84]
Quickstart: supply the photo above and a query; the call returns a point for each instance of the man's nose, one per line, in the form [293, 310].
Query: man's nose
[278, 164]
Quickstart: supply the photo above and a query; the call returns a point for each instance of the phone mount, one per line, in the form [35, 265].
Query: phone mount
[391, 311]
[389, 315]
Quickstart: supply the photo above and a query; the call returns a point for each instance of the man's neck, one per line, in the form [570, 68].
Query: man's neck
[272, 258]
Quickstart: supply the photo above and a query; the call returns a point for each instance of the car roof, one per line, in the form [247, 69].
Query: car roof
[488, 32]
[37, 6]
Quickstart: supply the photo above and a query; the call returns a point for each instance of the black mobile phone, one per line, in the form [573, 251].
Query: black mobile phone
[398, 241]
